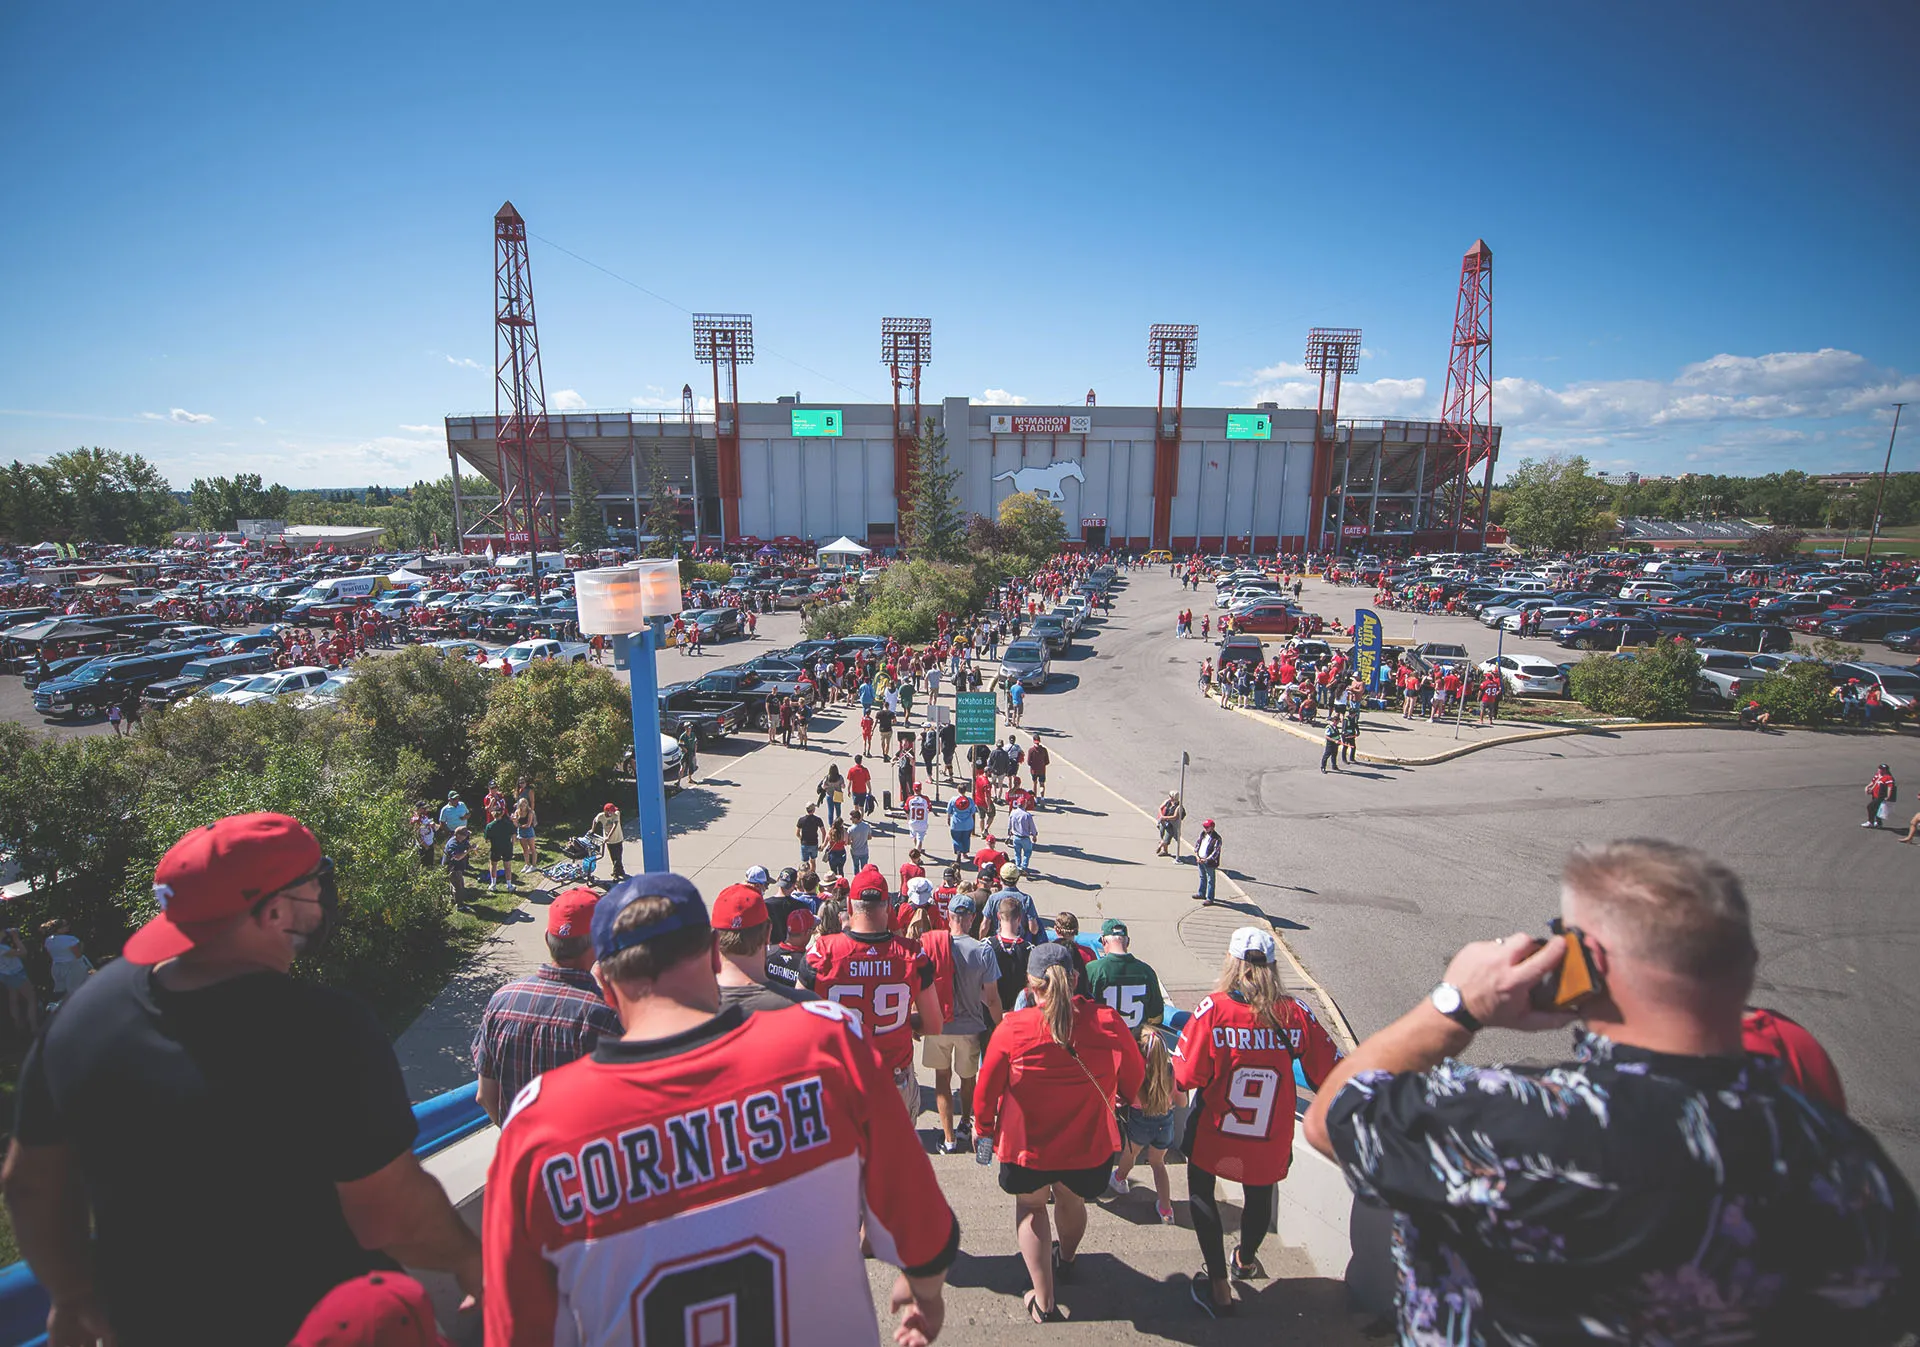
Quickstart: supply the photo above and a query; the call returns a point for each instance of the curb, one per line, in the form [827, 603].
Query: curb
[1342, 1031]
[1520, 737]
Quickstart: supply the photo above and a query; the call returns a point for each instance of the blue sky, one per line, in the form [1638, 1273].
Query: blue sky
[259, 237]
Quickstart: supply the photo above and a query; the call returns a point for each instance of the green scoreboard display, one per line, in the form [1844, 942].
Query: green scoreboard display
[819, 421]
[1243, 426]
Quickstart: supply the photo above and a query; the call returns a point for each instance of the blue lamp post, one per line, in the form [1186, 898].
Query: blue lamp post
[632, 603]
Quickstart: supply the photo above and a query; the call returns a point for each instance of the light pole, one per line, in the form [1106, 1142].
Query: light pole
[1880, 496]
[630, 603]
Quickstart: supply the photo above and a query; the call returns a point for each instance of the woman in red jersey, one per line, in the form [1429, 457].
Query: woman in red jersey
[1045, 1099]
[1237, 1053]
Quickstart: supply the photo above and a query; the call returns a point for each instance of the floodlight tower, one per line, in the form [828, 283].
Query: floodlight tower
[1176, 347]
[725, 341]
[520, 432]
[1466, 413]
[906, 348]
[1335, 351]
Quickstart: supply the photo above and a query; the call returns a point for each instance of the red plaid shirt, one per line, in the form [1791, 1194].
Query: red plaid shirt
[546, 1019]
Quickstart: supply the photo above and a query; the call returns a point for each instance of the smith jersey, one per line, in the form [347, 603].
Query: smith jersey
[1242, 1070]
[880, 976]
[708, 1188]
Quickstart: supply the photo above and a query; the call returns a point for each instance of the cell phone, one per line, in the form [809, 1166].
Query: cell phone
[983, 1150]
[1576, 981]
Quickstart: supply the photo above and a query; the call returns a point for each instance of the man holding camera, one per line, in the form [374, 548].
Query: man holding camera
[1664, 1185]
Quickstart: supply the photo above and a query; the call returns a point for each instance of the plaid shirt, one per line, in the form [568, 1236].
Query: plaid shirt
[548, 1018]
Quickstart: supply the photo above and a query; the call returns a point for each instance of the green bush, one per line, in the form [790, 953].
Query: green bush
[416, 705]
[1798, 694]
[563, 726]
[717, 571]
[1657, 683]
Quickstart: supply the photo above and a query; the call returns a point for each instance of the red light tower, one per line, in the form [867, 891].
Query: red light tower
[520, 434]
[906, 348]
[725, 341]
[1466, 413]
[1335, 351]
[1176, 347]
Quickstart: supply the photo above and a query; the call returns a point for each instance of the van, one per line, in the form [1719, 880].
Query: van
[1695, 575]
[342, 587]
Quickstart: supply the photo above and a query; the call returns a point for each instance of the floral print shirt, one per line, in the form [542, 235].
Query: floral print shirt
[1630, 1197]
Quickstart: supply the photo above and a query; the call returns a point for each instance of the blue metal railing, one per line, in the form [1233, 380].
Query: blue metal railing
[442, 1120]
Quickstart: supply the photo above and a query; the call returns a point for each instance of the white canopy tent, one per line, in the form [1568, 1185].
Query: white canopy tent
[842, 552]
[403, 576]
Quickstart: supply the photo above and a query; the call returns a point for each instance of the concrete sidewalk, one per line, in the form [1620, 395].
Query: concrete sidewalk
[1096, 859]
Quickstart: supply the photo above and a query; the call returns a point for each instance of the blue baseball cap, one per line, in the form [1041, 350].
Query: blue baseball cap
[688, 910]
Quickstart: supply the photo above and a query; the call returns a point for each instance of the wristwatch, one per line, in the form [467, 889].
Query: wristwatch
[1447, 1000]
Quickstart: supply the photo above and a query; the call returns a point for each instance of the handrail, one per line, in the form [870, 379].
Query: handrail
[442, 1120]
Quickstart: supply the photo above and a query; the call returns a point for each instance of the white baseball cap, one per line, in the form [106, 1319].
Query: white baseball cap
[1250, 944]
[920, 891]
[757, 874]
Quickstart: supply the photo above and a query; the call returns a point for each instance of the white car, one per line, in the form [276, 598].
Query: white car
[1496, 613]
[1528, 675]
[522, 653]
[279, 683]
[1552, 617]
[217, 691]
[454, 648]
[328, 693]
[1247, 593]
[1648, 589]
[192, 632]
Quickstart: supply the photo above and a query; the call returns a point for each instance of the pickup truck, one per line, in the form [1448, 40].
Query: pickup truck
[1433, 654]
[523, 653]
[744, 686]
[713, 717]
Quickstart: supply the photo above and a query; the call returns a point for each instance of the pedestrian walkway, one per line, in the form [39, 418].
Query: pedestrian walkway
[1095, 859]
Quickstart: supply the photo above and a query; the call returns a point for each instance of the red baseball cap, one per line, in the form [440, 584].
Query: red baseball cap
[799, 922]
[571, 912]
[381, 1309]
[219, 871]
[737, 907]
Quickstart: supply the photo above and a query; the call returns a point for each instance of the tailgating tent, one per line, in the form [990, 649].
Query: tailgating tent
[843, 552]
[403, 576]
[104, 582]
[56, 629]
[42, 549]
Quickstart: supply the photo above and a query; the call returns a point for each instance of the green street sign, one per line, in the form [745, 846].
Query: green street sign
[819, 421]
[976, 718]
[1249, 426]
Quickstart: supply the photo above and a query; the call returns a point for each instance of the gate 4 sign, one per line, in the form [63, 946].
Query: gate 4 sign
[976, 718]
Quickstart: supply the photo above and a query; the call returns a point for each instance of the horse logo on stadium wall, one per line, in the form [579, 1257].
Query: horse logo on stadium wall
[1043, 482]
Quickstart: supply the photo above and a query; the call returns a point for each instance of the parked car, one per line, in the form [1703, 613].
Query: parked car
[327, 695]
[109, 682]
[522, 653]
[716, 624]
[1428, 656]
[198, 673]
[1753, 637]
[1726, 674]
[1607, 633]
[454, 648]
[1239, 649]
[1899, 688]
[1908, 640]
[1052, 631]
[1025, 662]
[1869, 624]
[279, 683]
[1272, 618]
[1528, 675]
[1551, 618]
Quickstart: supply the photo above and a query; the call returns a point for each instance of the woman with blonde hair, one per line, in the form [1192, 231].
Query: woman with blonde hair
[1044, 1102]
[1236, 1054]
[1148, 1122]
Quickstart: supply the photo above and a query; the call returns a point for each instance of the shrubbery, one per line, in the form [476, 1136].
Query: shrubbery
[563, 726]
[413, 713]
[1799, 694]
[1657, 683]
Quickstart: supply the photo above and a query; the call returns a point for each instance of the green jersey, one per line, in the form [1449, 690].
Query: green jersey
[1129, 986]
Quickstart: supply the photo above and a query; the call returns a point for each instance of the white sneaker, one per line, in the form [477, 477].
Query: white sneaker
[1867, 824]
[1119, 1186]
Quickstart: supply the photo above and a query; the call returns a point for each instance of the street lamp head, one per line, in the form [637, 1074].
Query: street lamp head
[619, 599]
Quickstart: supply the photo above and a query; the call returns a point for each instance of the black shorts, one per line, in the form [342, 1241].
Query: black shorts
[1087, 1184]
[502, 852]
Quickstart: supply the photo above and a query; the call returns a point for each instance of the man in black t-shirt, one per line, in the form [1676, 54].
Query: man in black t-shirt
[808, 829]
[243, 1140]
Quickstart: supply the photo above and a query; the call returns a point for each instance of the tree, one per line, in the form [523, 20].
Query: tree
[411, 713]
[933, 527]
[663, 512]
[1777, 544]
[1033, 526]
[1553, 503]
[218, 504]
[87, 495]
[565, 727]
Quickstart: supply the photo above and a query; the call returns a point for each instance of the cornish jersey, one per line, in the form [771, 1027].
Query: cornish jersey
[879, 976]
[1242, 1070]
[710, 1187]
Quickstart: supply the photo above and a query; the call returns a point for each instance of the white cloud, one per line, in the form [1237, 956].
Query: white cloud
[259, 420]
[418, 430]
[1000, 397]
[567, 400]
[179, 416]
[463, 363]
[1295, 386]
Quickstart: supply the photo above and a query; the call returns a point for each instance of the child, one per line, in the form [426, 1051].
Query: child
[1150, 1126]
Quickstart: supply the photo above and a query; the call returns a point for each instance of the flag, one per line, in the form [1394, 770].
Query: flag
[489, 550]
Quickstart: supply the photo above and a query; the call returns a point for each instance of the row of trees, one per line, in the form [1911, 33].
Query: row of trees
[1558, 503]
[87, 494]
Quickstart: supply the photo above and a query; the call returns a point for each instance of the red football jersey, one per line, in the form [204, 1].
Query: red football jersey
[708, 1188]
[939, 947]
[879, 976]
[1242, 1069]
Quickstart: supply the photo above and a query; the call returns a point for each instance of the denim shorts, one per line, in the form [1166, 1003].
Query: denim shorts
[1152, 1130]
[808, 853]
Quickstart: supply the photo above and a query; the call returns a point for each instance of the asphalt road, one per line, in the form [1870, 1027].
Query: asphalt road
[1377, 875]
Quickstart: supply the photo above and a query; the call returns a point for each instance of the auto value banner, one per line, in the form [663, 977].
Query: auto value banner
[1369, 643]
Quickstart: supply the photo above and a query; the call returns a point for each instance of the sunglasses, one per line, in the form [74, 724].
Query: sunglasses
[323, 874]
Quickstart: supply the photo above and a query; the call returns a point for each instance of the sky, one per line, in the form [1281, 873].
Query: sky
[258, 238]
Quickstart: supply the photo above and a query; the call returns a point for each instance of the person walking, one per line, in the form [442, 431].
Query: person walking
[1237, 1053]
[607, 830]
[833, 791]
[859, 839]
[550, 1017]
[860, 786]
[1168, 821]
[1206, 860]
[1330, 742]
[1882, 791]
[1037, 760]
[1045, 1099]
[1147, 1125]
[919, 811]
[742, 926]
[966, 974]
[262, 1152]
[1023, 831]
[949, 744]
[960, 821]
[1126, 983]
[903, 771]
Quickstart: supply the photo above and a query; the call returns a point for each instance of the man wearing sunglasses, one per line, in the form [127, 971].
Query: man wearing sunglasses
[243, 1139]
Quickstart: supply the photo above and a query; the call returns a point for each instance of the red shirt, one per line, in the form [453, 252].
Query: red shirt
[939, 948]
[766, 1142]
[908, 870]
[858, 779]
[879, 976]
[1803, 1061]
[1242, 1069]
[1034, 1099]
[989, 856]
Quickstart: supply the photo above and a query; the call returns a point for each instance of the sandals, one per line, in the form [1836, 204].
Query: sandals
[1200, 1287]
[1062, 1267]
[1248, 1270]
[1032, 1301]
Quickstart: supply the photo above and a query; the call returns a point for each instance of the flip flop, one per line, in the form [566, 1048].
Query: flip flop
[1032, 1301]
